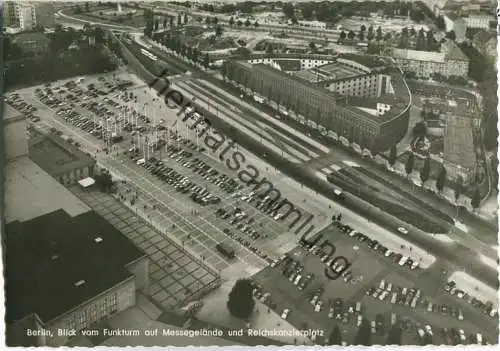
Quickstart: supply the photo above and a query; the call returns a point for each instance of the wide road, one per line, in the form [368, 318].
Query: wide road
[460, 255]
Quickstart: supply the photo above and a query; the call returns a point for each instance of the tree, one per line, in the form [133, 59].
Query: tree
[458, 188]
[218, 31]
[171, 21]
[387, 36]
[476, 199]
[98, 34]
[351, 35]
[87, 7]
[410, 163]
[164, 22]
[256, 24]
[364, 333]
[157, 24]
[335, 337]
[441, 180]
[206, 61]
[362, 28]
[179, 20]
[248, 23]
[195, 54]
[425, 171]
[393, 156]
[361, 36]
[215, 20]
[241, 303]
[208, 21]
[185, 18]
[239, 23]
[231, 21]
[395, 335]
[412, 32]
[451, 35]
[312, 46]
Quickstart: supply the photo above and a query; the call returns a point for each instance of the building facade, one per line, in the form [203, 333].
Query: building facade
[19, 14]
[329, 110]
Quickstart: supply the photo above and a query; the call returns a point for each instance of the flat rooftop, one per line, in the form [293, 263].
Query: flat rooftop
[56, 262]
[30, 192]
[56, 156]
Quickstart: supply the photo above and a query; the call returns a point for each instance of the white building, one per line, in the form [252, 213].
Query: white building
[19, 14]
[450, 61]
[478, 21]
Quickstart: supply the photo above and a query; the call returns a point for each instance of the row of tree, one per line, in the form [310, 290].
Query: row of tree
[440, 180]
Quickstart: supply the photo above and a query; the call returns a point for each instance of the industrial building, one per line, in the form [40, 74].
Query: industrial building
[361, 98]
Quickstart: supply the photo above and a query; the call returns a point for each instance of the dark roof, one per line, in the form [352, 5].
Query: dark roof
[47, 255]
[57, 156]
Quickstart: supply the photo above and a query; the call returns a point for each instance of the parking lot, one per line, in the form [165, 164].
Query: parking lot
[301, 286]
[108, 123]
[174, 275]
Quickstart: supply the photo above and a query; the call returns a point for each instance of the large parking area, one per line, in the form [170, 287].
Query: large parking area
[378, 287]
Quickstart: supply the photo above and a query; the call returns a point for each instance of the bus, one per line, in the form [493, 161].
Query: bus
[226, 250]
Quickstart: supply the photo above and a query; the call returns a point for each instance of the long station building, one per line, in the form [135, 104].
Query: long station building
[364, 99]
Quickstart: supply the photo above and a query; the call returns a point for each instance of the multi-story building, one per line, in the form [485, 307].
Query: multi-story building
[486, 42]
[479, 21]
[365, 100]
[19, 14]
[450, 61]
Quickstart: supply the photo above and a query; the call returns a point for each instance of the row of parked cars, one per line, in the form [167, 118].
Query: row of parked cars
[183, 184]
[486, 307]
[400, 259]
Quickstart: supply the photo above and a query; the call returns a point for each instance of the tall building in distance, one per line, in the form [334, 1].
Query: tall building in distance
[19, 14]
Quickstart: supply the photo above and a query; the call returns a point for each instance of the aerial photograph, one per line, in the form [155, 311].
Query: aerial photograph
[249, 173]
